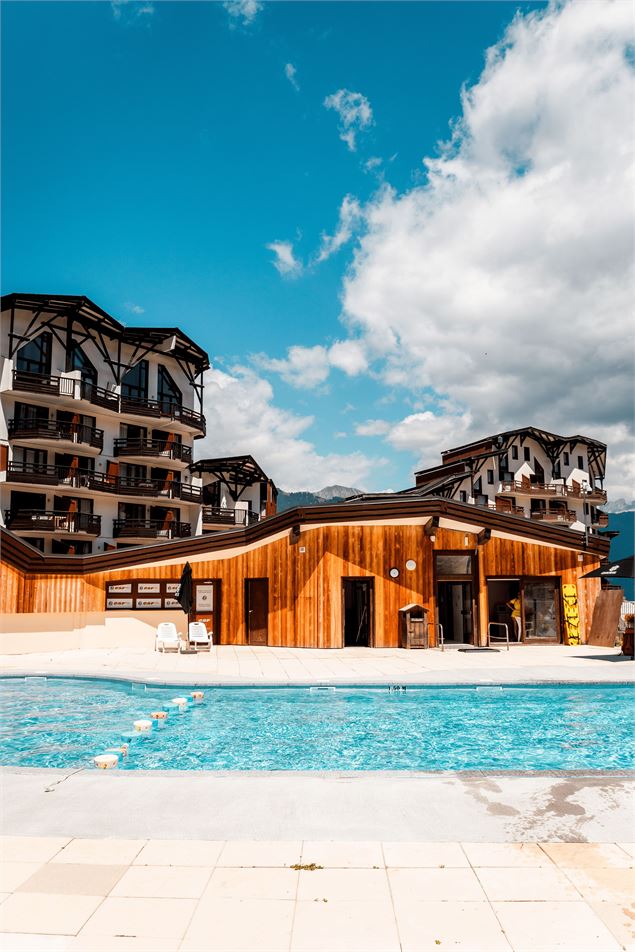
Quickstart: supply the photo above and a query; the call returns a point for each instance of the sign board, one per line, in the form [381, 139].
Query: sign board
[148, 588]
[205, 598]
[118, 603]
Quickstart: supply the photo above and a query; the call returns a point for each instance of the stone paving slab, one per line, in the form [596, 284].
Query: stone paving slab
[229, 664]
[319, 896]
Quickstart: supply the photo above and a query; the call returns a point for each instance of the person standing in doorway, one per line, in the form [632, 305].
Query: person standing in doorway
[514, 606]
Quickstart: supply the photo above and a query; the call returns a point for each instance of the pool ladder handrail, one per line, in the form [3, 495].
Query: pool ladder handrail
[497, 624]
[441, 640]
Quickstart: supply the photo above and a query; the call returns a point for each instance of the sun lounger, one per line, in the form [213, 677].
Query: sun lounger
[198, 635]
[167, 636]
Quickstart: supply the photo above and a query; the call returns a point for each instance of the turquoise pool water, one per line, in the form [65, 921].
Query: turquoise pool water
[59, 722]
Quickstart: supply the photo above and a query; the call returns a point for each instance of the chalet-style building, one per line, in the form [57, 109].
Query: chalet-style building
[235, 492]
[529, 473]
[98, 425]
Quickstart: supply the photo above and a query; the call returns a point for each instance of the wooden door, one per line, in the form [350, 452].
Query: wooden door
[257, 610]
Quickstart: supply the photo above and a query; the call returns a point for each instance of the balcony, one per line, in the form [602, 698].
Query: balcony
[601, 520]
[550, 490]
[506, 506]
[559, 516]
[32, 520]
[71, 388]
[52, 430]
[217, 516]
[36, 474]
[154, 448]
[150, 529]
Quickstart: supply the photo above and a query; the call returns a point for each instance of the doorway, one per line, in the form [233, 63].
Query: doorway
[257, 610]
[538, 602]
[357, 612]
[454, 603]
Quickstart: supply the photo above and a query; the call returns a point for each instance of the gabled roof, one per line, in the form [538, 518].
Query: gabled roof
[498, 440]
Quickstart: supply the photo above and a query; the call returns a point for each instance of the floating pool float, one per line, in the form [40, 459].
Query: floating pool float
[180, 702]
[106, 761]
[123, 750]
[143, 726]
[159, 715]
[197, 696]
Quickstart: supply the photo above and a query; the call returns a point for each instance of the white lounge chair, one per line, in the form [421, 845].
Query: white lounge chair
[167, 636]
[199, 636]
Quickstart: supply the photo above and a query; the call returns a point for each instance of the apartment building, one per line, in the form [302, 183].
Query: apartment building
[526, 472]
[98, 425]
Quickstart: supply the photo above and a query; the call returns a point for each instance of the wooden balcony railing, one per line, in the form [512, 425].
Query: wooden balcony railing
[101, 482]
[155, 448]
[563, 516]
[216, 515]
[601, 520]
[54, 430]
[85, 390]
[34, 520]
[150, 529]
[575, 491]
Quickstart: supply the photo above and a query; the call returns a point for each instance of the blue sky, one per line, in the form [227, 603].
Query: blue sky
[152, 151]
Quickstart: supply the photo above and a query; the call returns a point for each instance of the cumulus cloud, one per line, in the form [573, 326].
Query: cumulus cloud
[350, 219]
[134, 308]
[243, 11]
[504, 283]
[309, 367]
[285, 260]
[291, 73]
[354, 112]
[243, 418]
[129, 11]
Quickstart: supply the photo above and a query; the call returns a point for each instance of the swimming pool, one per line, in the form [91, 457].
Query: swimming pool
[58, 722]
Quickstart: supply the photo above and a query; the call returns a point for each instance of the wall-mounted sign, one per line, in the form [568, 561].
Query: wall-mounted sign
[148, 588]
[122, 589]
[204, 598]
[170, 603]
[118, 603]
[148, 603]
[171, 588]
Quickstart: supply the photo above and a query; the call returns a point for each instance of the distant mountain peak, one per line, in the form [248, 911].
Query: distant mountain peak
[320, 498]
[337, 492]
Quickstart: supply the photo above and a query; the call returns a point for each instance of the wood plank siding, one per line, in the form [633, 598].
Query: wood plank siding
[305, 575]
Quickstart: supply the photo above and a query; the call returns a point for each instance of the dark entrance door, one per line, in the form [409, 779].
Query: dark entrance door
[257, 610]
[358, 611]
[454, 601]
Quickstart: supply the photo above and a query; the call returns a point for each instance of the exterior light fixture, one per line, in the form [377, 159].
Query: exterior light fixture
[411, 565]
[394, 573]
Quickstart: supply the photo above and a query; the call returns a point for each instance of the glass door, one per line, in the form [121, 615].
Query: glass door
[541, 615]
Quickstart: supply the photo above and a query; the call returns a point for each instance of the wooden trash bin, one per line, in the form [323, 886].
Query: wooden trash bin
[413, 626]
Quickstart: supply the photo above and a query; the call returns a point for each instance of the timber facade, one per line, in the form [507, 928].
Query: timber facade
[332, 576]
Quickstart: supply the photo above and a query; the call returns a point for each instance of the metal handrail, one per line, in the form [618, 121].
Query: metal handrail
[440, 627]
[497, 624]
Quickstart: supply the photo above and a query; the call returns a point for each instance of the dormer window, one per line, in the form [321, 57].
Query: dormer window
[565, 459]
[527, 454]
[514, 452]
[580, 462]
[168, 394]
[135, 382]
[35, 357]
[76, 359]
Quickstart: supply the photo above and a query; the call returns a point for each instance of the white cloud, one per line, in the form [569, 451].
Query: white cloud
[355, 114]
[243, 11]
[291, 73]
[242, 418]
[134, 308]
[350, 219]
[285, 261]
[505, 282]
[309, 367]
[129, 11]
[373, 163]
[305, 367]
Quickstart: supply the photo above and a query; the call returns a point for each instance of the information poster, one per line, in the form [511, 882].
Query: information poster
[205, 598]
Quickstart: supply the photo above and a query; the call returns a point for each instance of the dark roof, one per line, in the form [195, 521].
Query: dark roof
[243, 470]
[542, 435]
[30, 559]
[85, 311]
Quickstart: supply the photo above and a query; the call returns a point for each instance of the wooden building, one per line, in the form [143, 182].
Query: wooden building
[331, 576]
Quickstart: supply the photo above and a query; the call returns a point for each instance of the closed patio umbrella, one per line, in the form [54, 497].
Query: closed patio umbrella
[621, 568]
[184, 594]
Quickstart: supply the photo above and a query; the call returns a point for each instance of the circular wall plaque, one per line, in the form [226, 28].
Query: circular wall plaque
[411, 564]
[394, 573]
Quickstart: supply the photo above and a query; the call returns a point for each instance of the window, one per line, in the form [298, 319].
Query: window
[135, 382]
[565, 459]
[463, 496]
[580, 462]
[37, 543]
[490, 477]
[76, 359]
[458, 564]
[514, 452]
[526, 454]
[25, 415]
[35, 357]
[63, 547]
[557, 473]
[478, 486]
[168, 393]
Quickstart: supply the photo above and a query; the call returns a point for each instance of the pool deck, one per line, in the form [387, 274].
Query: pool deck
[201, 861]
[228, 664]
